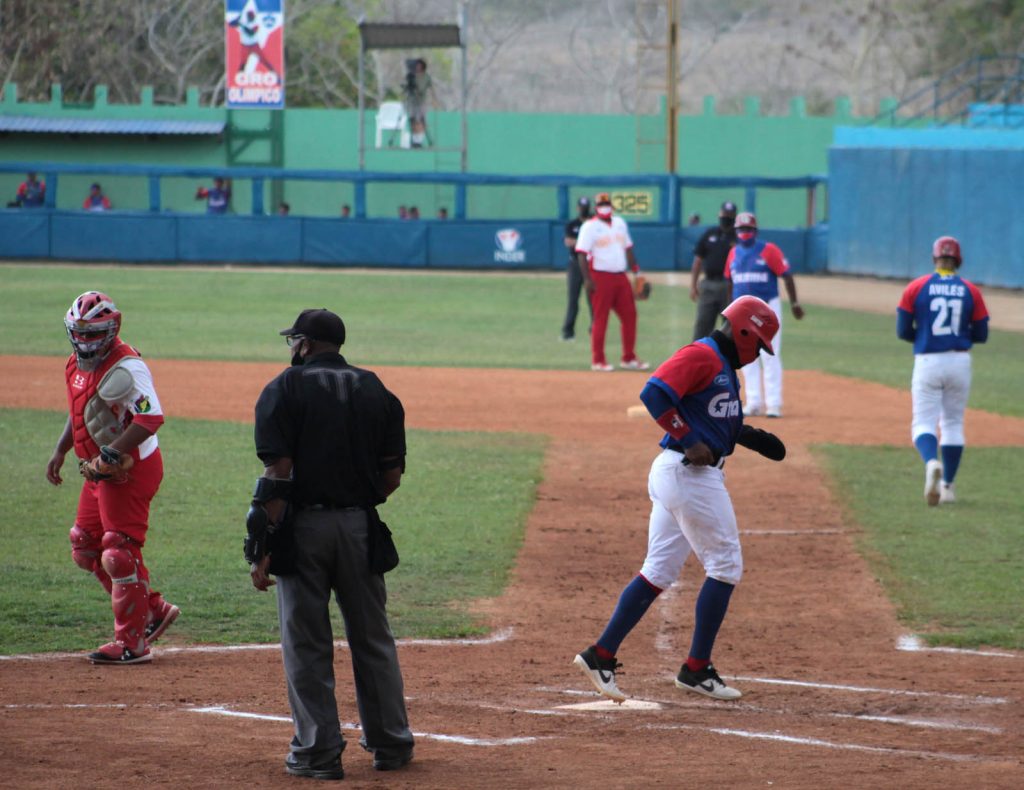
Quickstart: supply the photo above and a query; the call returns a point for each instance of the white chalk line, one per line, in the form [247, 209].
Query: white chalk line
[746, 707]
[769, 532]
[821, 743]
[978, 698]
[433, 736]
[502, 635]
[912, 644]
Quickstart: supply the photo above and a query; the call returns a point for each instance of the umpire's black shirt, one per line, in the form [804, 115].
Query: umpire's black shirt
[572, 230]
[335, 422]
[713, 249]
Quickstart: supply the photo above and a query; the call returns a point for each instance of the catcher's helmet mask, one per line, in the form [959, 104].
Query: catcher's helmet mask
[92, 324]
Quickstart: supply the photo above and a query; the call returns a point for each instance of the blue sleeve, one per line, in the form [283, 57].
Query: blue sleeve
[655, 399]
[904, 325]
[979, 331]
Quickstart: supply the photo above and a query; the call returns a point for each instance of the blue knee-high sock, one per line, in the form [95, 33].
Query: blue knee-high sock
[636, 598]
[951, 460]
[927, 445]
[712, 604]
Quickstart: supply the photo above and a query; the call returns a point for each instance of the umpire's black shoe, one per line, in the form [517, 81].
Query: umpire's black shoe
[325, 771]
[382, 761]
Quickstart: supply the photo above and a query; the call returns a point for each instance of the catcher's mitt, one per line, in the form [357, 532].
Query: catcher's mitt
[641, 288]
[110, 465]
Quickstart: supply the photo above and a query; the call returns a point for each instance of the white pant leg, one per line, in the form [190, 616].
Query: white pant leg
[956, 387]
[752, 384]
[772, 364]
[926, 394]
[696, 498]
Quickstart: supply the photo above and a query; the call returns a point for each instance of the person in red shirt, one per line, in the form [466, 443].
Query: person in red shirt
[114, 414]
[96, 200]
[31, 193]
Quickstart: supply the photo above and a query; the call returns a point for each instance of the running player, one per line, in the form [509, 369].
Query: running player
[943, 315]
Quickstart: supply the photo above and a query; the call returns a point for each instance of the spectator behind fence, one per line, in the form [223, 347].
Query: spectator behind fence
[418, 86]
[284, 209]
[442, 213]
[31, 193]
[694, 220]
[346, 211]
[403, 212]
[96, 200]
[216, 197]
[414, 213]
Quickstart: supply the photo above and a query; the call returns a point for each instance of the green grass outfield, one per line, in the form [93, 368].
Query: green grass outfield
[442, 319]
[956, 572]
[458, 521]
[439, 319]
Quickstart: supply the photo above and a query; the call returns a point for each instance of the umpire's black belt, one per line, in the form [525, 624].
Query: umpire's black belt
[325, 506]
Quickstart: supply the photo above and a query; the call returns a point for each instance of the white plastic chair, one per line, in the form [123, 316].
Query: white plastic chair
[391, 117]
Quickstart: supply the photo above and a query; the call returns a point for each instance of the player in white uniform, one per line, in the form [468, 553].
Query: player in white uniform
[943, 315]
[604, 250]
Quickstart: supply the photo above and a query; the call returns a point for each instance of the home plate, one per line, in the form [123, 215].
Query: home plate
[607, 704]
[636, 411]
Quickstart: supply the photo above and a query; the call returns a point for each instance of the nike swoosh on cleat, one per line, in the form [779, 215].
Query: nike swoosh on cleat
[605, 678]
[709, 686]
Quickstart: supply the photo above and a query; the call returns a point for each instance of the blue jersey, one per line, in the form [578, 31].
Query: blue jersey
[755, 270]
[942, 312]
[702, 386]
[217, 200]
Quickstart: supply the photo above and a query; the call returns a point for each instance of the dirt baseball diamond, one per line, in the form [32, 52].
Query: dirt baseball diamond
[829, 700]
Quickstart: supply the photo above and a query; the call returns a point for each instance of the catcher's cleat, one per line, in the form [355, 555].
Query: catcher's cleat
[600, 672]
[932, 479]
[160, 623]
[634, 364]
[707, 682]
[116, 654]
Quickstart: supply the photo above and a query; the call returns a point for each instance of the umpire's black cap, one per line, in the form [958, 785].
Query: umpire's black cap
[318, 324]
[728, 207]
[583, 201]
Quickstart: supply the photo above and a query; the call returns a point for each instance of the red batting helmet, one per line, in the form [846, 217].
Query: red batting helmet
[746, 219]
[947, 247]
[754, 324]
[92, 323]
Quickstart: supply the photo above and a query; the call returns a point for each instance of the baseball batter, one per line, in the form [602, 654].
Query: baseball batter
[943, 315]
[754, 268]
[604, 251]
[113, 416]
[695, 397]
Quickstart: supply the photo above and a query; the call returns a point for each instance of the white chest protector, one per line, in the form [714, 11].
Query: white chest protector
[103, 424]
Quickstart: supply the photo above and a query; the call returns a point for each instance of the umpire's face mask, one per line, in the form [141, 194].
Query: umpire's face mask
[727, 222]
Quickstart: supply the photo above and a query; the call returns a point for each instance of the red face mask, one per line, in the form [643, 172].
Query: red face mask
[604, 212]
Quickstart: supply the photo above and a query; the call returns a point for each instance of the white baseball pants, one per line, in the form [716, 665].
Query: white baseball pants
[771, 365]
[939, 389]
[691, 509]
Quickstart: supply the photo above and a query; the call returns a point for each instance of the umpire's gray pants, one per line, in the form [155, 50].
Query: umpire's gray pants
[330, 552]
[713, 299]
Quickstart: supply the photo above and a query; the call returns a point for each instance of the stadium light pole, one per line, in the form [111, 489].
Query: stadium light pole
[672, 88]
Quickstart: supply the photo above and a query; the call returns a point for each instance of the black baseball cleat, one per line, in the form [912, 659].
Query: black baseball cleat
[600, 672]
[328, 771]
[386, 762]
[707, 682]
[116, 654]
[158, 625]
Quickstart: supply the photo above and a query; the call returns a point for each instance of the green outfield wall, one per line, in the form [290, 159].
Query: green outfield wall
[710, 144]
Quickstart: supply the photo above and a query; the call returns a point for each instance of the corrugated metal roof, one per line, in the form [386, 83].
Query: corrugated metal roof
[37, 125]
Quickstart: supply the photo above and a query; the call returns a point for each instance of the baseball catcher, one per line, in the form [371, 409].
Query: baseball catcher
[113, 417]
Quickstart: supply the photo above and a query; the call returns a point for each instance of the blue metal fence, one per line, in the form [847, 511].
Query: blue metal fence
[155, 235]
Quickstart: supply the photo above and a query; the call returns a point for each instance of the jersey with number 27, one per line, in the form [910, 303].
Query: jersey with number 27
[942, 307]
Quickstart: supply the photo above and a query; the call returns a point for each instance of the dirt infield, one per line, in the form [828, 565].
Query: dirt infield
[829, 700]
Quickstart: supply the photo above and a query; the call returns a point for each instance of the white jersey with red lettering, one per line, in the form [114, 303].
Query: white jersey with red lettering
[605, 244]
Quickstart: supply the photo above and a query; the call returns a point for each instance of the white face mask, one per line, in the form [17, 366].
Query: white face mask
[604, 212]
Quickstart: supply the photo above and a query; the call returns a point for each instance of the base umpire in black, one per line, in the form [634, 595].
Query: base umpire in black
[332, 441]
[574, 277]
[712, 293]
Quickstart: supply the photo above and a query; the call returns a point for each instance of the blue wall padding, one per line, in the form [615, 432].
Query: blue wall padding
[889, 204]
[115, 237]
